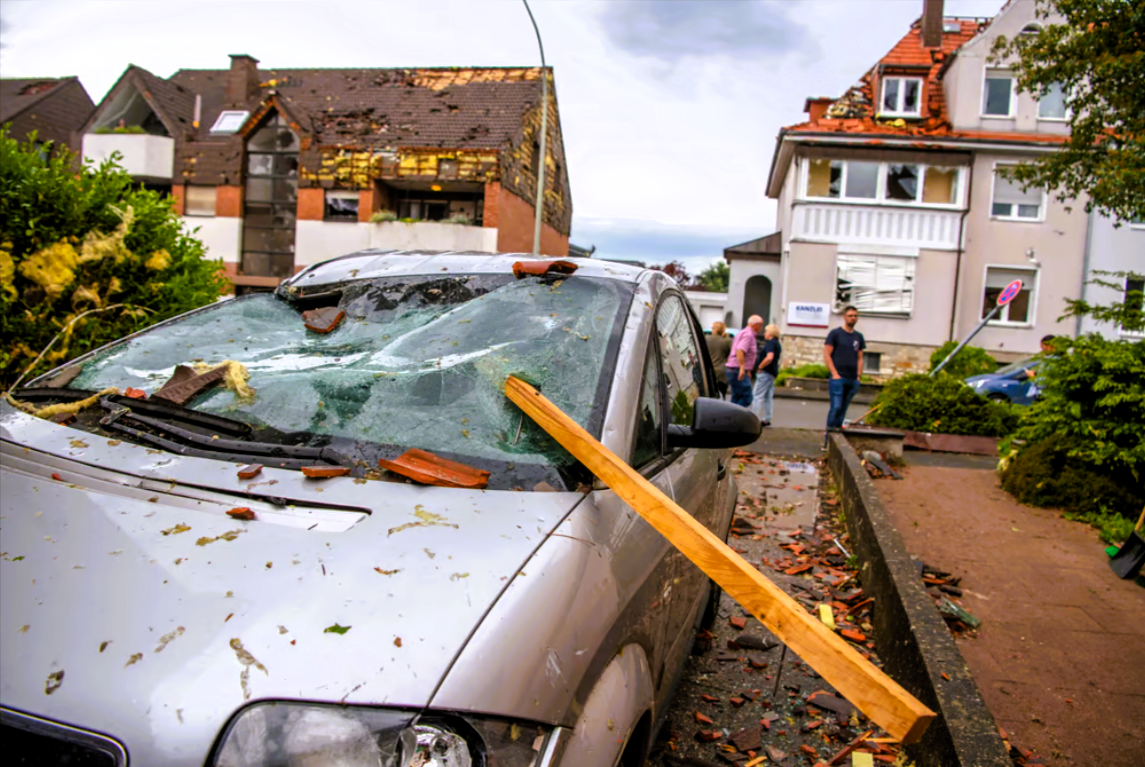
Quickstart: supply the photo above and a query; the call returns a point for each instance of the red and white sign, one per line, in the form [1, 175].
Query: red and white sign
[1010, 293]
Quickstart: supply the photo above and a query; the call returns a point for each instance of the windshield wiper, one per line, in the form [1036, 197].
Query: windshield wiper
[213, 446]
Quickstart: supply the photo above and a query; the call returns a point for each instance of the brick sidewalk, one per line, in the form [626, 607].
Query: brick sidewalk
[1060, 656]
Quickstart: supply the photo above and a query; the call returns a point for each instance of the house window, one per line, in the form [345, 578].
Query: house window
[902, 96]
[902, 183]
[341, 205]
[997, 94]
[1011, 202]
[199, 201]
[861, 180]
[940, 186]
[535, 165]
[885, 182]
[1051, 106]
[824, 178]
[1020, 310]
[421, 209]
[447, 169]
[230, 121]
[872, 362]
[875, 284]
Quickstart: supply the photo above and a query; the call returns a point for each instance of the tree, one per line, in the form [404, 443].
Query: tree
[1097, 58]
[87, 255]
[676, 271]
[716, 277]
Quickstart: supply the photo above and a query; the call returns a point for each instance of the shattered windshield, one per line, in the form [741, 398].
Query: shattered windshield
[416, 362]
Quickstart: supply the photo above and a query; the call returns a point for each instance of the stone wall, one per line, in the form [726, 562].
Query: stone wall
[895, 359]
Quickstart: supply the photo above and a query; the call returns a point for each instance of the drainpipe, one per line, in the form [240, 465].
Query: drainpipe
[544, 131]
[961, 250]
[1085, 269]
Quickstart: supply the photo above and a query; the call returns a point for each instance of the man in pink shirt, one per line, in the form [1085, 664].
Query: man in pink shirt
[741, 361]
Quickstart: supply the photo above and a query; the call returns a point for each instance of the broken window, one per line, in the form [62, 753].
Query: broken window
[447, 169]
[229, 121]
[270, 200]
[199, 200]
[341, 205]
[875, 284]
[997, 94]
[1051, 106]
[419, 362]
[1010, 201]
[940, 186]
[649, 416]
[1018, 311]
[902, 96]
[824, 178]
[535, 162]
[862, 180]
[683, 371]
[902, 183]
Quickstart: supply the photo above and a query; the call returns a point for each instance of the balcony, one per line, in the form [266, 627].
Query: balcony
[318, 240]
[876, 225]
[143, 155]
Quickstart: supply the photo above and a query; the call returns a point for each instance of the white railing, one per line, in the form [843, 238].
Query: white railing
[143, 155]
[876, 225]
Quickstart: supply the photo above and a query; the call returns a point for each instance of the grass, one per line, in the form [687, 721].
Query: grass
[1113, 527]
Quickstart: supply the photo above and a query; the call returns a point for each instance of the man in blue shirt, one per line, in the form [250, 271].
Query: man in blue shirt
[843, 354]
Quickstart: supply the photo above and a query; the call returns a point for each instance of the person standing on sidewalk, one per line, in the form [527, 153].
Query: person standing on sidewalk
[763, 395]
[742, 361]
[843, 353]
[719, 349]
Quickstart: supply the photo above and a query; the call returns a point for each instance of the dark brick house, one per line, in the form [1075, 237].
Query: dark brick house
[283, 168]
[53, 108]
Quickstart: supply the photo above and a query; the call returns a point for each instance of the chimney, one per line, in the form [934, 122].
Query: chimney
[817, 107]
[242, 84]
[931, 23]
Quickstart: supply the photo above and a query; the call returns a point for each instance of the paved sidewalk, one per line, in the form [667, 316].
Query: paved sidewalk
[1060, 655]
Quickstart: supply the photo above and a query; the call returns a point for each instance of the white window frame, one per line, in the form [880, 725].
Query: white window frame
[1065, 107]
[1135, 224]
[998, 74]
[899, 111]
[226, 118]
[1003, 318]
[880, 197]
[861, 304]
[1040, 218]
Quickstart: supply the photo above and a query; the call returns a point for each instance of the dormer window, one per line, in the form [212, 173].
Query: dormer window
[230, 121]
[902, 97]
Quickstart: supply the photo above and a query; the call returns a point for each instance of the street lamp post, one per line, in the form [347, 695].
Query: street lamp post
[544, 133]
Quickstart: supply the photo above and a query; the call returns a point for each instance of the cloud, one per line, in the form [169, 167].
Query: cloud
[657, 243]
[668, 31]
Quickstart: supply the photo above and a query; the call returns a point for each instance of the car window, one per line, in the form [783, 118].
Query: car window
[1014, 367]
[418, 361]
[649, 433]
[683, 371]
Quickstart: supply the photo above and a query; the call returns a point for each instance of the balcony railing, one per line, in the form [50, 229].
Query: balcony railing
[143, 155]
[876, 225]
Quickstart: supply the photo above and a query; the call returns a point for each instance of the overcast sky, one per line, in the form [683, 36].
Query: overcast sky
[669, 109]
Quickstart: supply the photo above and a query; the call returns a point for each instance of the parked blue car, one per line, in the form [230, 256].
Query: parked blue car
[1011, 383]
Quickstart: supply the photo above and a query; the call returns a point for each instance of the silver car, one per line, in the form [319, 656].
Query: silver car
[157, 608]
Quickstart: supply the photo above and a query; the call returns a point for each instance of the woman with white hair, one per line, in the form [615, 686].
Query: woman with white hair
[764, 393]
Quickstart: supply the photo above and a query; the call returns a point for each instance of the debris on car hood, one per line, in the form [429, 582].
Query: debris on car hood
[526, 268]
[429, 469]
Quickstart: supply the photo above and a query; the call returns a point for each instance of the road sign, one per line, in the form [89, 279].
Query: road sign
[1010, 293]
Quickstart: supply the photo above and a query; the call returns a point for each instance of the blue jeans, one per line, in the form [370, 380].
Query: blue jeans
[741, 390]
[841, 391]
[763, 396]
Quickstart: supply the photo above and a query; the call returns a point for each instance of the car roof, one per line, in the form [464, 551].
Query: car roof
[368, 264]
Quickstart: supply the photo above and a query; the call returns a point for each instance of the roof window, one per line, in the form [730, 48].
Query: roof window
[952, 26]
[230, 121]
[901, 96]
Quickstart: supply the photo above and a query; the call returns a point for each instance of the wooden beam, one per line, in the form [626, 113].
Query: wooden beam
[872, 691]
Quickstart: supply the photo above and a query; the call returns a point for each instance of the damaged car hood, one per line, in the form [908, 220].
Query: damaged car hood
[121, 572]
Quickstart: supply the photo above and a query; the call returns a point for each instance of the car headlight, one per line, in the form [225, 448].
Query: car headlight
[309, 735]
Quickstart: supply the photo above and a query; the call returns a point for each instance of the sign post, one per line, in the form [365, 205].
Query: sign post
[1005, 297]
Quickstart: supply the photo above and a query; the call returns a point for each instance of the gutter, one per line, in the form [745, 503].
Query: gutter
[1085, 268]
[961, 249]
[926, 142]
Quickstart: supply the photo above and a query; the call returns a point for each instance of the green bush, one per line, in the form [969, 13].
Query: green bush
[130, 129]
[76, 240]
[943, 405]
[1047, 474]
[971, 361]
[811, 370]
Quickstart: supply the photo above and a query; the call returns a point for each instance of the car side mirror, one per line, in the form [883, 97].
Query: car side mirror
[716, 423]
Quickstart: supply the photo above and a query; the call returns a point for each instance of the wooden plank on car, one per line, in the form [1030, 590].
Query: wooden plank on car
[870, 689]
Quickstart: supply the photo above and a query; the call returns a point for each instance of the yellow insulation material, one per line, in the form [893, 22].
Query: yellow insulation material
[235, 379]
[7, 270]
[159, 260]
[97, 247]
[52, 268]
[63, 407]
